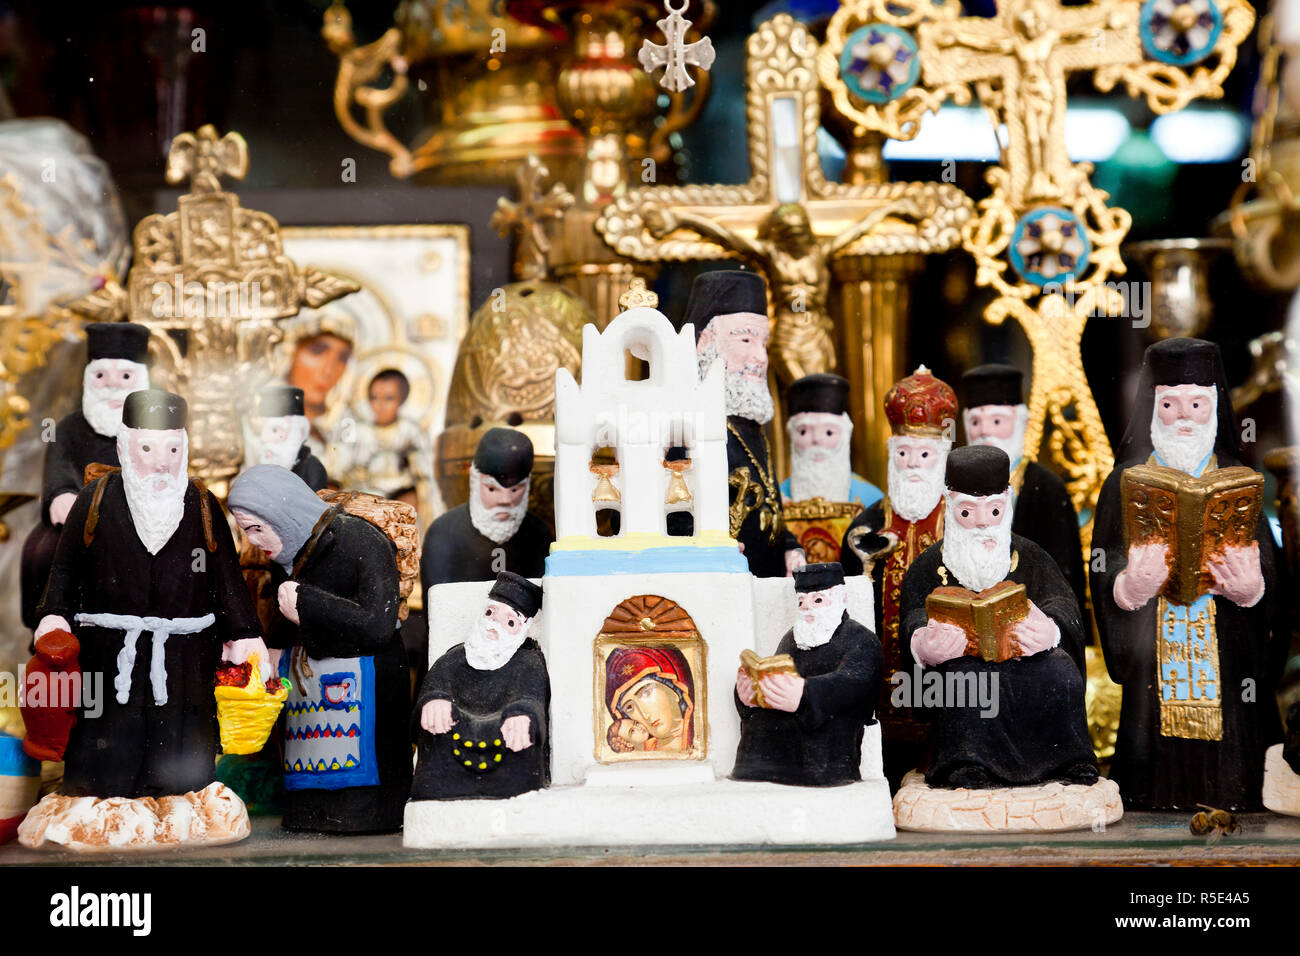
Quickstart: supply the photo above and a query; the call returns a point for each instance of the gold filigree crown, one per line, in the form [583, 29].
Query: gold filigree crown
[638, 296]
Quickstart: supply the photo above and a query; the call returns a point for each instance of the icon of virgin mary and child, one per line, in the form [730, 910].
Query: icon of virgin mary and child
[650, 697]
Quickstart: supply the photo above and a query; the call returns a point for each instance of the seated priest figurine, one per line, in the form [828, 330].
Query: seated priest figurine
[484, 707]
[116, 366]
[821, 435]
[1020, 717]
[147, 577]
[922, 412]
[347, 755]
[729, 311]
[494, 531]
[802, 723]
[995, 414]
[283, 435]
[1185, 607]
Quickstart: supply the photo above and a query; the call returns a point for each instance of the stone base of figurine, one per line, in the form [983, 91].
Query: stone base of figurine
[720, 812]
[208, 817]
[1044, 808]
[1281, 784]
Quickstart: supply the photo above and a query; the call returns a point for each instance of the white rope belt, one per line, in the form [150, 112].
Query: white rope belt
[161, 628]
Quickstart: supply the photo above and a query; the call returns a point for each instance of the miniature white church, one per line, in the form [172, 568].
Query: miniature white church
[652, 621]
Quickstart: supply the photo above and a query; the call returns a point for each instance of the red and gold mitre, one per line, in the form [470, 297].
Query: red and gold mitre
[921, 405]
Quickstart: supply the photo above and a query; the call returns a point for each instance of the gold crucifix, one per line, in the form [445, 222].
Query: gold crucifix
[529, 216]
[788, 220]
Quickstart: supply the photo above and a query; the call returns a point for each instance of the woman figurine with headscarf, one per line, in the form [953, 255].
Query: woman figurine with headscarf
[347, 759]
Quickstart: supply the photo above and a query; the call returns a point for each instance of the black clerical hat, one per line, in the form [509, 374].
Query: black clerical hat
[724, 292]
[818, 577]
[117, 340]
[992, 385]
[280, 400]
[820, 392]
[1184, 362]
[979, 470]
[518, 592]
[154, 408]
[506, 454]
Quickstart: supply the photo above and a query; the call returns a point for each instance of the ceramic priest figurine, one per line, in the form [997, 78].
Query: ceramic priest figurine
[803, 725]
[1025, 723]
[147, 577]
[821, 435]
[728, 309]
[116, 366]
[484, 708]
[995, 413]
[922, 413]
[494, 531]
[1184, 607]
[347, 758]
[283, 432]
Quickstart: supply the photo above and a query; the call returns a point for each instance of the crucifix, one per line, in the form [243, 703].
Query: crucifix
[788, 221]
[676, 54]
[529, 216]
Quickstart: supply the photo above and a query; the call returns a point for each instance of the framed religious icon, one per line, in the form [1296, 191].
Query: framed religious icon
[819, 525]
[374, 366]
[650, 684]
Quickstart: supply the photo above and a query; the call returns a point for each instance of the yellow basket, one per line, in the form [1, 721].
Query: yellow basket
[246, 715]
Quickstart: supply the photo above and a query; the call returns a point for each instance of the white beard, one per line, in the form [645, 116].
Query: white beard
[155, 513]
[485, 654]
[285, 453]
[975, 566]
[815, 633]
[95, 398]
[913, 500]
[830, 477]
[1013, 446]
[1184, 452]
[485, 521]
[746, 397]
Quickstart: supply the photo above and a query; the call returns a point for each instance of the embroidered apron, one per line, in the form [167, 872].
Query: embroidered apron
[329, 728]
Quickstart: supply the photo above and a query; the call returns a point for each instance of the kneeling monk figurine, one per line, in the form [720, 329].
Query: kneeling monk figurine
[1020, 720]
[806, 727]
[484, 709]
[347, 757]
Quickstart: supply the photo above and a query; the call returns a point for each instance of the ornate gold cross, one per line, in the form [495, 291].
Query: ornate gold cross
[529, 216]
[205, 158]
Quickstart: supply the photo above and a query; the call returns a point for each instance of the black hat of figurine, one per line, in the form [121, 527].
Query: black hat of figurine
[1180, 361]
[279, 400]
[818, 577]
[820, 392]
[155, 409]
[117, 340]
[724, 292]
[506, 454]
[978, 470]
[993, 384]
[518, 592]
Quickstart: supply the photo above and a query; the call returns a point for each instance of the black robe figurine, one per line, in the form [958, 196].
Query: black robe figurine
[309, 468]
[1155, 770]
[346, 749]
[157, 734]
[1026, 723]
[470, 760]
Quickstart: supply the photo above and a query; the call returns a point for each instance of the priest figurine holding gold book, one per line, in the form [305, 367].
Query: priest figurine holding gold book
[1183, 593]
[990, 610]
[802, 720]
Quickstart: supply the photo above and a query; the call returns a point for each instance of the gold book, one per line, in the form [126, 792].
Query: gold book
[988, 617]
[759, 667]
[1195, 518]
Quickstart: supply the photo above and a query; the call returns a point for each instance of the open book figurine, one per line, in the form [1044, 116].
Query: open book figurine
[759, 667]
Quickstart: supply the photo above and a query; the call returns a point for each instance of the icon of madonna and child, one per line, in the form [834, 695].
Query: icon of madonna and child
[651, 706]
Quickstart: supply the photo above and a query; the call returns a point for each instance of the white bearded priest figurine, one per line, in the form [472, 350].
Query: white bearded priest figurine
[484, 707]
[282, 435]
[1039, 730]
[1199, 670]
[995, 414]
[147, 577]
[821, 435]
[116, 366]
